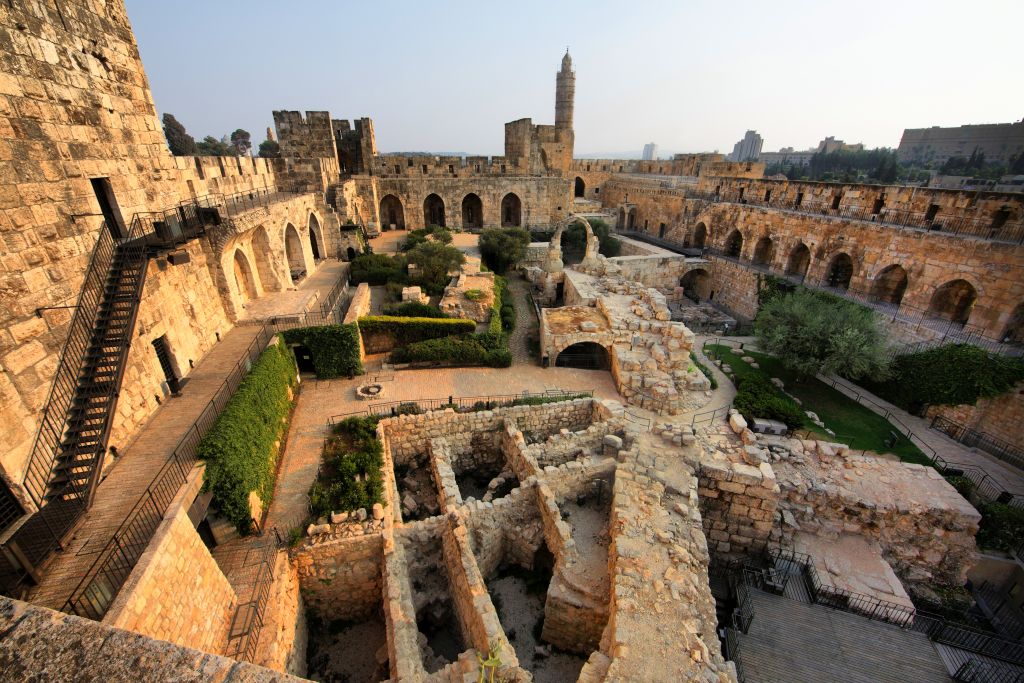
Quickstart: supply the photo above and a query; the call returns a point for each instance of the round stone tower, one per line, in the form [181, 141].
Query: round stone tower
[565, 93]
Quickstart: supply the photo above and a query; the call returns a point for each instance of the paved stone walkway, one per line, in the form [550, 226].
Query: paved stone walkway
[308, 295]
[127, 479]
[526, 322]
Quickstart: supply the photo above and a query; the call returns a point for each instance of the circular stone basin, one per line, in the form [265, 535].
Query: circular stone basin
[365, 392]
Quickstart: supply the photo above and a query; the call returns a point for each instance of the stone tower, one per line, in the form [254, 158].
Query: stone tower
[565, 93]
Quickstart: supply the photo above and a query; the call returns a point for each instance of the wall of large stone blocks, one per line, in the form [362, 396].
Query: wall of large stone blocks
[177, 592]
[341, 578]
[1000, 417]
[737, 505]
[48, 645]
[285, 633]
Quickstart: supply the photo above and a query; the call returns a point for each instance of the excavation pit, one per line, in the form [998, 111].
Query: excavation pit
[350, 651]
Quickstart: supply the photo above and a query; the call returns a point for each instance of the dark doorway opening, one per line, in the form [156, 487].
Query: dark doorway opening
[163, 354]
[303, 359]
[580, 189]
[351, 253]
[108, 206]
[583, 356]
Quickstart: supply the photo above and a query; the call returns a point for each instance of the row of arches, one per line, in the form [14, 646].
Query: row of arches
[392, 211]
[953, 300]
[256, 267]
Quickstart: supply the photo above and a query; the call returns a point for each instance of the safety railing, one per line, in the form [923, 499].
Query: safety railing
[96, 591]
[968, 669]
[462, 404]
[248, 620]
[993, 445]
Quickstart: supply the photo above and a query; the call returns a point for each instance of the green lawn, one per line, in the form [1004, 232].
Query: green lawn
[853, 423]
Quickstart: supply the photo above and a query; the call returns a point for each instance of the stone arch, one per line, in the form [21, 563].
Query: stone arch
[266, 260]
[511, 211]
[953, 301]
[586, 355]
[316, 239]
[799, 260]
[295, 254]
[433, 210]
[631, 219]
[621, 223]
[890, 284]
[472, 211]
[700, 236]
[840, 271]
[734, 244]
[764, 251]
[696, 285]
[392, 213]
[245, 281]
[1014, 331]
[579, 188]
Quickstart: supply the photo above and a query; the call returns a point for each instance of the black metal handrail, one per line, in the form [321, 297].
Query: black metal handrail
[96, 591]
[993, 445]
[459, 403]
[247, 623]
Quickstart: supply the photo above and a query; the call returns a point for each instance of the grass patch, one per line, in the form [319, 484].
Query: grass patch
[853, 423]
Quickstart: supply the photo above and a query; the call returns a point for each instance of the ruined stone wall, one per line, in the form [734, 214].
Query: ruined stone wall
[48, 645]
[441, 166]
[176, 592]
[341, 577]
[1000, 417]
[737, 504]
[285, 634]
[734, 287]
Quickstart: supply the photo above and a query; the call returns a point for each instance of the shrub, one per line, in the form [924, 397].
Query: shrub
[502, 248]
[420, 235]
[411, 330]
[1002, 527]
[334, 349]
[480, 349]
[414, 309]
[964, 486]
[955, 374]
[239, 449]
[756, 396]
[377, 269]
[350, 473]
[474, 294]
[433, 262]
[504, 304]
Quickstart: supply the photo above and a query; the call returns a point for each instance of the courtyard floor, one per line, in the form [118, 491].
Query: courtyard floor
[306, 296]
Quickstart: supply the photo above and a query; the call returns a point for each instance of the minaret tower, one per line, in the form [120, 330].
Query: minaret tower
[565, 93]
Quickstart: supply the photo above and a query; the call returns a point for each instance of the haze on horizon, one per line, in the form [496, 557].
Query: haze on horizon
[689, 76]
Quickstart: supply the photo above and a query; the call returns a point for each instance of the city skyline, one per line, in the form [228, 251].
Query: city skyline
[699, 94]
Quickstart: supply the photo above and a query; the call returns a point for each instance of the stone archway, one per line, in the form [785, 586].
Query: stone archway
[840, 271]
[245, 281]
[433, 211]
[472, 211]
[511, 211]
[579, 188]
[696, 285]
[631, 219]
[392, 214]
[799, 261]
[583, 355]
[294, 254]
[267, 264]
[700, 236]
[890, 285]
[764, 251]
[316, 243]
[734, 244]
[953, 301]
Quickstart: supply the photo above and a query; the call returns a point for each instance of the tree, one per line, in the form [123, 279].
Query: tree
[502, 248]
[178, 139]
[212, 147]
[242, 142]
[433, 261]
[813, 333]
[269, 149]
[1017, 165]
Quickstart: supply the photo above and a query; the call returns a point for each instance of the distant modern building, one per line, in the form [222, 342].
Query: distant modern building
[830, 144]
[650, 152]
[787, 155]
[747, 149]
[999, 141]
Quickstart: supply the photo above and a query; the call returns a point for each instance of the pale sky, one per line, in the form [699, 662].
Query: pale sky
[690, 76]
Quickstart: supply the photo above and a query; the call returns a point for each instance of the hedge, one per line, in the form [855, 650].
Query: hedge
[334, 349]
[377, 269]
[756, 396]
[414, 309]
[478, 349]
[1002, 526]
[239, 449]
[411, 330]
[506, 305]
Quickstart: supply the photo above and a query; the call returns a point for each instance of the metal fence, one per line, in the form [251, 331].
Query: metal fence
[993, 445]
[96, 591]
[258, 578]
